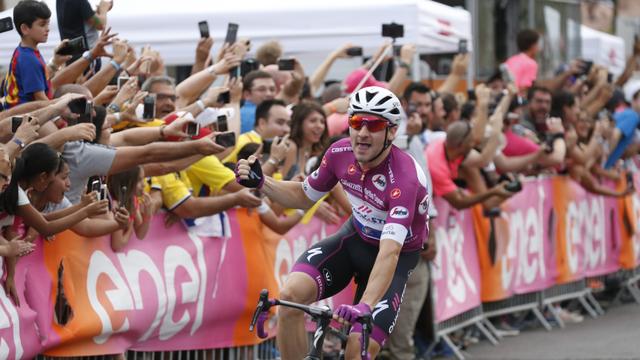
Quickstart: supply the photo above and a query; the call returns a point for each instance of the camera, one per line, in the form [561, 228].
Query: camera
[227, 139]
[266, 146]
[6, 24]
[248, 65]
[149, 107]
[463, 46]
[193, 129]
[16, 121]
[73, 47]
[232, 33]
[354, 51]
[286, 64]
[393, 30]
[204, 29]
[224, 97]
[222, 123]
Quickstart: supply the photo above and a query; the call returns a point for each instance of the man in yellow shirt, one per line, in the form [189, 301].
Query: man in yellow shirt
[272, 121]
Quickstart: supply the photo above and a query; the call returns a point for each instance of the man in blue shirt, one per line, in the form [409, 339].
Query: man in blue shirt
[258, 86]
[626, 123]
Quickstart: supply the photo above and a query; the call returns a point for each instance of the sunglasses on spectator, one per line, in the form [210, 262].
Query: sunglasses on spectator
[165, 96]
[373, 123]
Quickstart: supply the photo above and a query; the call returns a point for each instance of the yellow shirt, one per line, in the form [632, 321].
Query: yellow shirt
[209, 172]
[244, 139]
[130, 124]
[176, 188]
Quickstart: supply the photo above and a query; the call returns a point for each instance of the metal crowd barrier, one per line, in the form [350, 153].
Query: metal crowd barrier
[264, 351]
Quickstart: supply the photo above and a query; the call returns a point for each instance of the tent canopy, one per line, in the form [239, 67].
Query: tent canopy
[302, 27]
[603, 49]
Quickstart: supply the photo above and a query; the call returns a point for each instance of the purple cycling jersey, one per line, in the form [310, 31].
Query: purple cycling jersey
[389, 201]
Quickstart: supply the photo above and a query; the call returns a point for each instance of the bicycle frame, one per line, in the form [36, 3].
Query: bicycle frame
[322, 316]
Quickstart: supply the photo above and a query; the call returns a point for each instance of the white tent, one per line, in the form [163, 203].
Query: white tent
[603, 49]
[306, 29]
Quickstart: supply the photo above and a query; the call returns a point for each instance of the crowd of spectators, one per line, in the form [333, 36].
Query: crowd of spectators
[79, 151]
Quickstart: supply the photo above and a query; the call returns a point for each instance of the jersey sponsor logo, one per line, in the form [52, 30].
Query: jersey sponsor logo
[351, 170]
[315, 174]
[341, 149]
[327, 276]
[323, 163]
[380, 307]
[395, 193]
[352, 186]
[379, 181]
[313, 252]
[391, 177]
[399, 212]
[371, 196]
[424, 205]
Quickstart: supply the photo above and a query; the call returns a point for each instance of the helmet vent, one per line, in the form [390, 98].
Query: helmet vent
[383, 100]
[370, 95]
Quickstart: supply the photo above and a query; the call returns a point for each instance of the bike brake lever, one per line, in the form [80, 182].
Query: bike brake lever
[263, 306]
[366, 322]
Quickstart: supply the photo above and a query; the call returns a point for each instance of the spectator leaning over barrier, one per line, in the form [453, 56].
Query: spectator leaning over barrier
[180, 199]
[258, 86]
[92, 152]
[445, 157]
[26, 79]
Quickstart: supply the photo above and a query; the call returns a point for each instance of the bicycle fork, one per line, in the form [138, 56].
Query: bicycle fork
[322, 324]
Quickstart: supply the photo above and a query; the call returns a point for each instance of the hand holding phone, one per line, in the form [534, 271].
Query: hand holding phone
[224, 97]
[393, 30]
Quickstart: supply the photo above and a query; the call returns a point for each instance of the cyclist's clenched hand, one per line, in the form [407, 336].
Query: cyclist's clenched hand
[249, 173]
[351, 313]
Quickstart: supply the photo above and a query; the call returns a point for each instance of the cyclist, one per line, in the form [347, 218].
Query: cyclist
[379, 245]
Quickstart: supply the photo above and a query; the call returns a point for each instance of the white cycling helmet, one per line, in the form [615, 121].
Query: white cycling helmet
[378, 101]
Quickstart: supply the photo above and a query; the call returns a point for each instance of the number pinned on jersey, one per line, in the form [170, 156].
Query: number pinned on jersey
[395, 193]
[379, 181]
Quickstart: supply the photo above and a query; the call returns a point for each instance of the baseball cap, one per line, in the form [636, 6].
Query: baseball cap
[630, 89]
[353, 79]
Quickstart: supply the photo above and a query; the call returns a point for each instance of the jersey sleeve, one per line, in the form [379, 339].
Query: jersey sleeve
[174, 191]
[323, 179]
[209, 171]
[402, 205]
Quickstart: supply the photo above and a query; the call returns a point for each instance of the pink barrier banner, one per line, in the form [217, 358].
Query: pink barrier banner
[529, 251]
[600, 228]
[173, 290]
[455, 271]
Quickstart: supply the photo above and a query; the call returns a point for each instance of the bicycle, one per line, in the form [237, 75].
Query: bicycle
[321, 315]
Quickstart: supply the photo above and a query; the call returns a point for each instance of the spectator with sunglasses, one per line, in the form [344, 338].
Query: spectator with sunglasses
[389, 198]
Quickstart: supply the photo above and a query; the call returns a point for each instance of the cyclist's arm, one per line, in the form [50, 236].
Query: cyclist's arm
[289, 194]
[382, 272]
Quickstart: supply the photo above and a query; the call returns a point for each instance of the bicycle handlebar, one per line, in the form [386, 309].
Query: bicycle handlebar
[317, 313]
